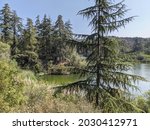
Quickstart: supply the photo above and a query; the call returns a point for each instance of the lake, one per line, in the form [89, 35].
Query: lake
[144, 71]
[139, 69]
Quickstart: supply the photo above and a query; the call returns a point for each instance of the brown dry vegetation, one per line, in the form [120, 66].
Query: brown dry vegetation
[39, 98]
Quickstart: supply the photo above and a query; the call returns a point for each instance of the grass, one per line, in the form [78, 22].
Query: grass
[39, 98]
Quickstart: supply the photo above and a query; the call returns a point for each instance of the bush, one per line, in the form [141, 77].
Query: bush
[28, 60]
[4, 51]
[141, 58]
[147, 51]
[38, 103]
[11, 89]
[141, 103]
[147, 97]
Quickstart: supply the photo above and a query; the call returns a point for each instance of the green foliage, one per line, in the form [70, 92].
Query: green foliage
[118, 103]
[27, 57]
[11, 89]
[16, 30]
[74, 59]
[40, 99]
[4, 51]
[44, 31]
[28, 60]
[5, 24]
[46, 42]
[59, 69]
[137, 46]
[147, 98]
[141, 57]
[62, 33]
[141, 103]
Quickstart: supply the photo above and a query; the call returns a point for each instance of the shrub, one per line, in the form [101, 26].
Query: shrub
[147, 97]
[141, 103]
[11, 89]
[4, 51]
[141, 58]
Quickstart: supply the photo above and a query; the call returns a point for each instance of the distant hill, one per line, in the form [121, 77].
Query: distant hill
[130, 42]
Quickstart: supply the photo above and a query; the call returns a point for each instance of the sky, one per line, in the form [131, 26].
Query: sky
[139, 27]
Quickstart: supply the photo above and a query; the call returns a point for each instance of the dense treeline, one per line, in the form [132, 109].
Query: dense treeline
[41, 45]
[138, 48]
[135, 43]
[38, 45]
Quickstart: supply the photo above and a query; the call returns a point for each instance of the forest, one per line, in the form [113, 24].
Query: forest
[46, 48]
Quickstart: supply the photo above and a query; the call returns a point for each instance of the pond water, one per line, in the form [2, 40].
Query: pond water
[144, 71]
[139, 69]
[61, 79]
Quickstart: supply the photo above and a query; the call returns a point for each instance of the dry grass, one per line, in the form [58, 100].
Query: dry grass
[40, 99]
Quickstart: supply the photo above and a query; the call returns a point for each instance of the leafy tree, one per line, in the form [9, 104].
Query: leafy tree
[6, 25]
[105, 67]
[141, 102]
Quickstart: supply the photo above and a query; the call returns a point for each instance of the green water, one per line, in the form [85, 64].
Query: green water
[61, 79]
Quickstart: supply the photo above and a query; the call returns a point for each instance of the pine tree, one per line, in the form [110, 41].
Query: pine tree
[30, 36]
[60, 27]
[62, 33]
[105, 80]
[38, 25]
[17, 28]
[28, 57]
[5, 23]
[38, 30]
[68, 30]
[45, 41]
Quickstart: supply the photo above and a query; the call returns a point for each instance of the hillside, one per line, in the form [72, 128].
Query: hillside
[130, 42]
